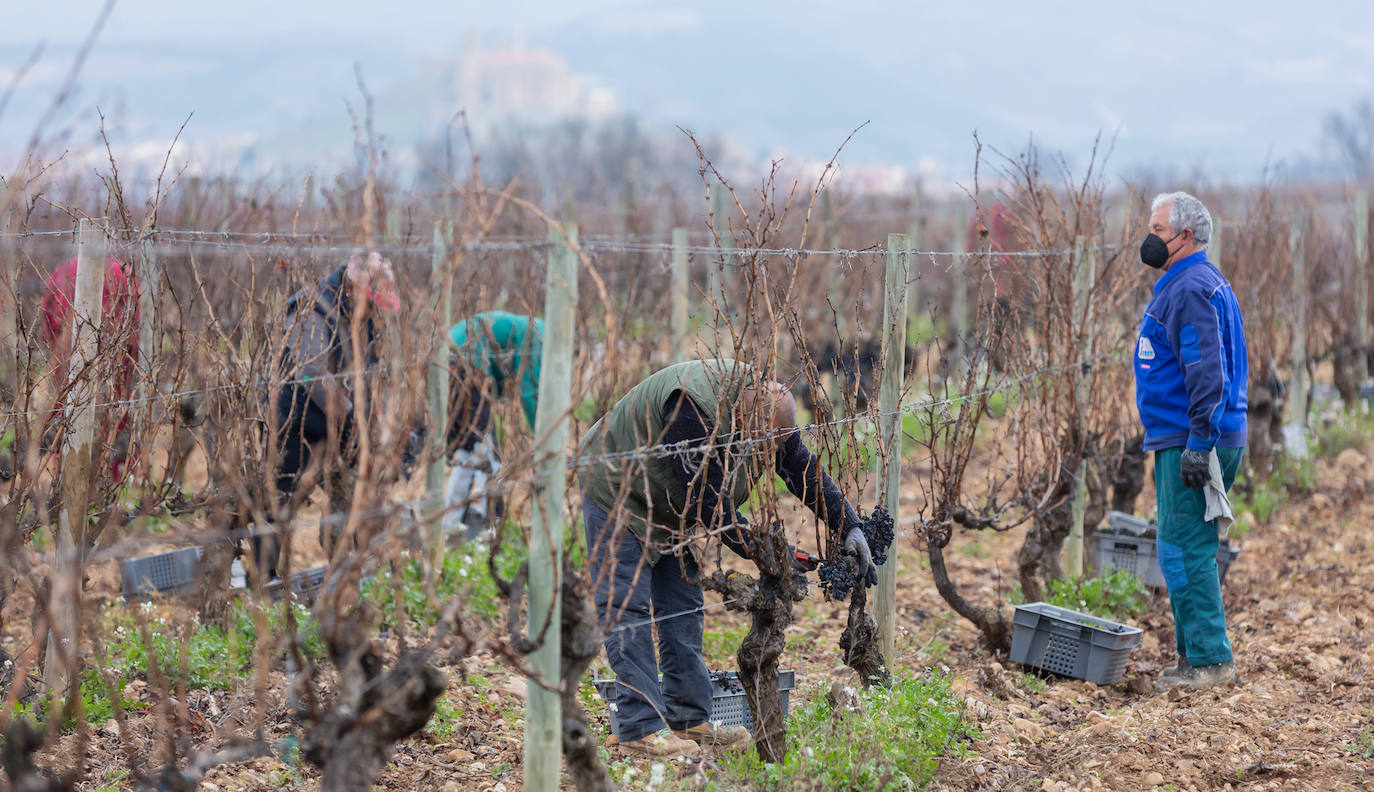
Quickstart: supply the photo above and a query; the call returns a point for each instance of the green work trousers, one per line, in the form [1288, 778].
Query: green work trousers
[1187, 547]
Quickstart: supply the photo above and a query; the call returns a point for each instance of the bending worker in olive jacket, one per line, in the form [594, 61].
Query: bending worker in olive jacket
[662, 504]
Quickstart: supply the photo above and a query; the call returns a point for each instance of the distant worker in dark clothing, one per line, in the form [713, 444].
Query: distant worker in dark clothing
[1191, 376]
[314, 408]
[497, 356]
[646, 519]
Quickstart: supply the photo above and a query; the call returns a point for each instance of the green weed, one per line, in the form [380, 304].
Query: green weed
[445, 721]
[975, 550]
[720, 646]
[1343, 433]
[215, 659]
[1118, 595]
[920, 330]
[896, 744]
[464, 574]
[1364, 744]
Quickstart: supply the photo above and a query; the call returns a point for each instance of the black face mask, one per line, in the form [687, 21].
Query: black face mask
[1154, 251]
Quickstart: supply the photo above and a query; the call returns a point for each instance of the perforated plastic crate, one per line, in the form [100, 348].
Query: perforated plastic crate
[729, 706]
[1226, 555]
[1139, 554]
[304, 585]
[1070, 643]
[164, 573]
[1123, 523]
[1133, 553]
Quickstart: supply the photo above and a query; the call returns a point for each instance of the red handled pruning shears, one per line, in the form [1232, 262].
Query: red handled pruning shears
[805, 560]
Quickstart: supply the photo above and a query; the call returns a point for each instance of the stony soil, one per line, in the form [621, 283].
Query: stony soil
[1303, 718]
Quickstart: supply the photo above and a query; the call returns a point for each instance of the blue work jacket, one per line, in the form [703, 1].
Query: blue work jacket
[1191, 372]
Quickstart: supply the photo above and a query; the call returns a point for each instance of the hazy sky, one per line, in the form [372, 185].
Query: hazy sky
[1223, 87]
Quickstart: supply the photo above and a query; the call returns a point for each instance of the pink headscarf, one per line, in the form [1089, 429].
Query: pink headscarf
[373, 278]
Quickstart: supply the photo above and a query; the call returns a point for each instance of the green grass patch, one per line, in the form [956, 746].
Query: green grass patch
[1346, 431]
[1364, 744]
[921, 330]
[720, 646]
[1118, 595]
[975, 549]
[444, 724]
[1290, 477]
[465, 573]
[895, 744]
[215, 659]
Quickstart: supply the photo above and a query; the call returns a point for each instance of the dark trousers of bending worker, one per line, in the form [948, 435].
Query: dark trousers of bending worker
[302, 434]
[630, 596]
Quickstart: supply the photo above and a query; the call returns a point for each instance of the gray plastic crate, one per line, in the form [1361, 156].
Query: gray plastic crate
[1132, 553]
[1123, 523]
[304, 585]
[164, 573]
[1139, 554]
[729, 706]
[1070, 643]
[1226, 555]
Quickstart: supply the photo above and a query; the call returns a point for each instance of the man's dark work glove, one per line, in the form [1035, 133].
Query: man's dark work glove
[856, 545]
[1194, 468]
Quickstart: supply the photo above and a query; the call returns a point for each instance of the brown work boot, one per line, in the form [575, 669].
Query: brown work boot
[1178, 669]
[715, 735]
[1201, 676]
[662, 743]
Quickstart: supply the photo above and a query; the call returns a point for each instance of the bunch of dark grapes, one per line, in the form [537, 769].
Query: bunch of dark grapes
[837, 579]
[879, 531]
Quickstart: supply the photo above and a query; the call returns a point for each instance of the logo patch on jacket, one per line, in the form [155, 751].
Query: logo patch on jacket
[1146, 351]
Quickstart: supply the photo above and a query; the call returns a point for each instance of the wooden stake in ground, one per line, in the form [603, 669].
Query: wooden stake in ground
[65, 603]
[1083, 276]
[1361, 280]
[890, 399]
[1298, 298]
[437, 389]
[8, 325]
[543, 713]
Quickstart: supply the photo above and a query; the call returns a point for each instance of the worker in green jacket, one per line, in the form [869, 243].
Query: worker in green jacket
[665, 469]
[496, 356]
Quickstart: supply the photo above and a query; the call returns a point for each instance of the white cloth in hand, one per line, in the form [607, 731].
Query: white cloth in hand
[1218, 504]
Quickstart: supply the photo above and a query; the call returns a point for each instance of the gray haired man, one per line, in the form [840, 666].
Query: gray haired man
[1191, 377]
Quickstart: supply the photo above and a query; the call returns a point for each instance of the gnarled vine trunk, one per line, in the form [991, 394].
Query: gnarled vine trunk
[580, 636]
[859, 642]
[768, 601]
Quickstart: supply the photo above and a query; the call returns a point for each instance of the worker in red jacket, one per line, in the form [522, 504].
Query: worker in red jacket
[118, 329]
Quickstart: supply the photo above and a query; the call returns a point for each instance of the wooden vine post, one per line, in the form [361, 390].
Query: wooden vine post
[890, 425]
[437, 388]
[64, 634]
[544, 712]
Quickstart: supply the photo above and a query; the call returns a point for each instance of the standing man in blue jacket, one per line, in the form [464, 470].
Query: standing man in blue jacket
[1191, 375]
